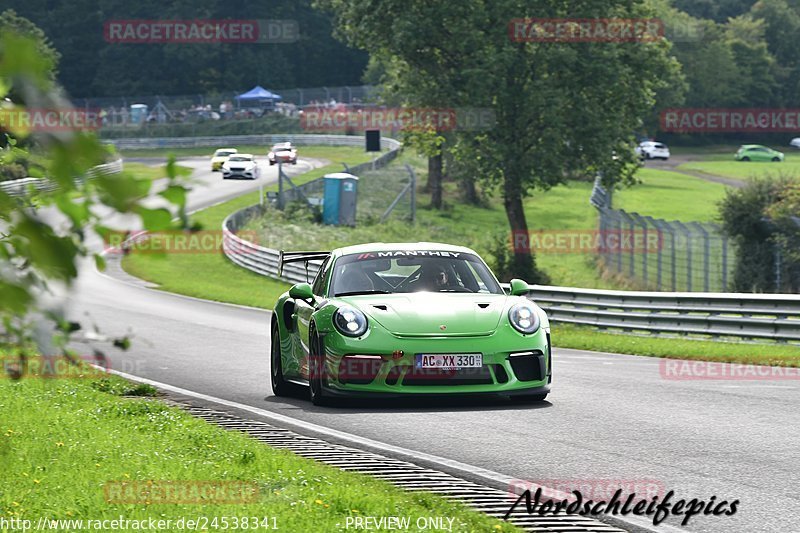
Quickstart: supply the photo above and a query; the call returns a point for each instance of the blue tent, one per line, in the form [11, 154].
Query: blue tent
[258, 95]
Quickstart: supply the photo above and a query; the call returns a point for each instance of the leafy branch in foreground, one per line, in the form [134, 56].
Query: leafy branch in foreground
[47, 234]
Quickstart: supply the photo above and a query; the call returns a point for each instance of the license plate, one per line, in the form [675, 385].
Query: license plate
[449, 361]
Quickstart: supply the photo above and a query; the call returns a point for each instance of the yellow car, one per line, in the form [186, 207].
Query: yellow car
[220, 156]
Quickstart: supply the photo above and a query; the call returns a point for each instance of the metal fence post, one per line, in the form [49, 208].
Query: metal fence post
[618, 229]
[658, 224]
[706, 254]
[689, 264]
[413, 192]
[280, 185]
[601, 224]
[643, 223]
[632, 230]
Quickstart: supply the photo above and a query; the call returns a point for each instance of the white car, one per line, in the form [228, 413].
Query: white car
[795, 142]
[652, 150]
[242, 166]
[283, 152]
[220, 156]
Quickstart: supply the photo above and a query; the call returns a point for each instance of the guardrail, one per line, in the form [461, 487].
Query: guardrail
[21, 186]
[268, 139]
[750, 316]
[256, 258]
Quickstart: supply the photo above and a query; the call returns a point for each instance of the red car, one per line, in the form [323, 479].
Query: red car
[283, 152]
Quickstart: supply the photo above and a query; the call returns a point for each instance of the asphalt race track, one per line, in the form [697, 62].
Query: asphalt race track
[610, 417]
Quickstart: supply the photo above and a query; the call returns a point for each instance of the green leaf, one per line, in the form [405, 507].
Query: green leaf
[175, 194]
[154, 219]
[14, 298]
[78, 213]
[53, 255]
[100, 262]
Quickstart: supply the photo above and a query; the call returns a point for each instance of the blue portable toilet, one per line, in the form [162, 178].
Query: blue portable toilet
[339, 203]
[138, 113]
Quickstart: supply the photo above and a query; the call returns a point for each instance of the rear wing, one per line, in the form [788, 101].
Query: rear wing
[297, 257]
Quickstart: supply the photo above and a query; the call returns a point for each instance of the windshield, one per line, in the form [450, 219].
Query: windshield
[412, 271]
[239, 158]
[223, 153]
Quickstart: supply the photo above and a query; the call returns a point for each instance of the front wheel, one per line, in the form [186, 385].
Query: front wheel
[745, 158]
[280, 387]
[776, 159]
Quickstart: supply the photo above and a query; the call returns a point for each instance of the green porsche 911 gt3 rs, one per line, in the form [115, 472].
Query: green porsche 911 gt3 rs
[405, 319]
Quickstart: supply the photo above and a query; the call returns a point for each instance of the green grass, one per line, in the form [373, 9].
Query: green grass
[725, 166]
[588, 338]
[671, 196]
[150, 172]
[565, 207]
[717, 150]
[219, 279]
[63, 440]
[350, 154]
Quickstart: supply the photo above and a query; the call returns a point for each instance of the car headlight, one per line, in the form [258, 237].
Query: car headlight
[524, 318]
[350, 321]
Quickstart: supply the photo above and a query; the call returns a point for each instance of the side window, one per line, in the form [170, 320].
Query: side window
[319, 280]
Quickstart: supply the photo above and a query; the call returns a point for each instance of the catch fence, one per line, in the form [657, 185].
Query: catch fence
[673, 256]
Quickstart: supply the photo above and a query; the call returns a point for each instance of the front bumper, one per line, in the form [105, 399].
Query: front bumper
[372, 366]
[250, 175]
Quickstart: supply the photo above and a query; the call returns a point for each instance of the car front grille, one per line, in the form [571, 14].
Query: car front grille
[438, 377]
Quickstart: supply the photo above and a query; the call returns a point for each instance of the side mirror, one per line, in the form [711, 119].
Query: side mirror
[519, 287]
[301, 291]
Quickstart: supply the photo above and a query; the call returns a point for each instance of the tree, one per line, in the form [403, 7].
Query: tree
[559, 107]
[10, 22]
[93, 67]
[782, 25]
[763, 218]
[717, 10]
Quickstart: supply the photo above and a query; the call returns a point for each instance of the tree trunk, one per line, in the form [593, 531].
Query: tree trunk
[435, 180]
[470, 192]
[522, 263]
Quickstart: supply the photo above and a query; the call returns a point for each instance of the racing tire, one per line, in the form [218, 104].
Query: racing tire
[280, 387]
[316, 369]
[745, 158]
[776, 159]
